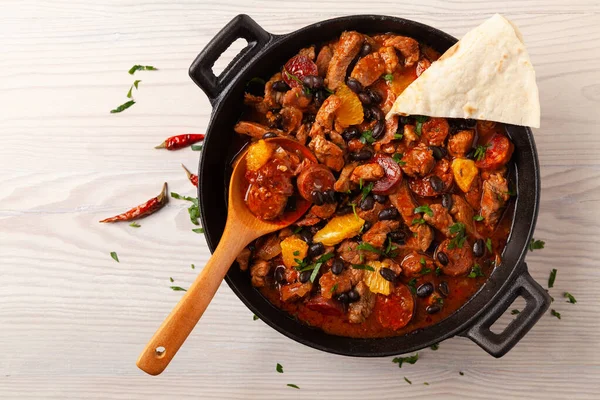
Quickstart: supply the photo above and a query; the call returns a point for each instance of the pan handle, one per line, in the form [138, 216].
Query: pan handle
[537, 302]
[242, 26]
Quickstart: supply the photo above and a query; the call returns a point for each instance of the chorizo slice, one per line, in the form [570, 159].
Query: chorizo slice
[415, 264]
[434, 131]
[396, 310]
[459, 259]
[424, 187]
[325, 306]
[498, 152]
[314, 177]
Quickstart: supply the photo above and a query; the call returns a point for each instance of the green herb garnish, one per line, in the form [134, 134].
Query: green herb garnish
[488, 244]
[412, 285]
[555, 313]
[196, 147]
[438, 271]
[292, 385]
[363, 266]
[570, 297]
[434, 346]
[552, 278]
[134, 225]
[178, 289]
[135, 84]
[409, 360]
[475, 272]
[367, 137]
[366, 190]
[426, 383]
[254, 317]
[333, 289]
[123, 107]
[480, 152]
[279, 368]
[135, 68]
[353, 205]
[171, 279]
[193, 266]
[296, 253]
[419, 221]
[406, 379]
[368, 247]
[297, 229]
[388, 77]
[478, 218]
[398, 136]
[515, 312]
[198, 230]
[536, 244]
[419, 125]
[193, 210]
[457, 229]
[461, 373]
[318, 264]
[114, 256]
[424, 208]
[422, 261]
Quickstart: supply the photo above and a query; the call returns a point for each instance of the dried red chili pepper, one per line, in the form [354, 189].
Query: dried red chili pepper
[181, 141]
[192, 177]
[149, 207]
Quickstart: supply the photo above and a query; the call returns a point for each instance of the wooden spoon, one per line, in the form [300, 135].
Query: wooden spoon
[241, 228]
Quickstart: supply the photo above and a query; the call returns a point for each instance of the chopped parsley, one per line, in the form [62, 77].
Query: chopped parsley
[409, 360]
[318, 264]
[136, 67]
[366, 190]
[536, 244]
[422, 260]
[193, 266]
[367, 137]
[555, 313]
[171, 279]
[488, 244]
[123, 107]
[193, 210]
[333, 289]
[461, 373]
[435, 346]
[389, 250]
[398, 158]
[134, 225]
[426, 383]
[475, 272]
[363, 266]
[296, 253]
[254, 317]
[196, 147]
[279, 368]
[570, 297]
[297, 230]
[353, 205]
[419, 125]
[457, 229]
[406, 379]
[388, 77]
[412, 285]
[424, 208]
[515, 312]
[369, 247]
[419, 221]
[480, 152]
[135, 84]
[114, 256]
[292, 385]
[478, 218]
[398, 136]
[178, 289]
[438, 271]
[552, 278]
[198, 230]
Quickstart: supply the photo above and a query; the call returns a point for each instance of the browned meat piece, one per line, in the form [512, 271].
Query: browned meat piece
[391, 128]
[324, 211]
[460, 260]
[423, 186]
[422, 66]
[348, 251]
[314, 177]
[258, 271]
[255, 130]
[462, 212]
[408, 47]
[494, 198]
[355, 145]
[343, 182]
[441, 219]
[393, 265]
[368, 69]
[410, 134]
[424, 236]
[338, 140]
[295, 97]
[415, 264]
[309, 219]
[473, 196]
[460, 143]
[418, 161]
[346, 50]
[243, 258]
[325, 306]
[308, 52]
[486, 127]
[390, 59]
[326, 113]
[265, 203]
[361, 309]
[367, 173]
[323, 60]
[302, 133]
[405, 204]
[291, 119]
[342, 283]
[377, 235]
[284, 233]
[295, 291]
[273, 98]
[267, 247]
[371, 215]
[257, 102]
[434, 131]
[327, 153]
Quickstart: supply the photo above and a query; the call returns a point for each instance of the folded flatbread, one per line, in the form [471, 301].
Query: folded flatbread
[487, 75]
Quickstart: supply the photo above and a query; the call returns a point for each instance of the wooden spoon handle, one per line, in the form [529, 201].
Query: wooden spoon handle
[169, 337]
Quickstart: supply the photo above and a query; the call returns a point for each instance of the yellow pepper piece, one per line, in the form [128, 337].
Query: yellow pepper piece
[293, 248]
[338, 229]
[374, 280]
[258, 154]
[464, 171]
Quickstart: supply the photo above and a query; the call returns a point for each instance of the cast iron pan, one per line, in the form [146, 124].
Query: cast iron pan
[264, 54]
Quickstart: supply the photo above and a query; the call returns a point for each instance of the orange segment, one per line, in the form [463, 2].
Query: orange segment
[338, 229]
[293, 248]
[258, 155]
[351, 110]
[374, 280]
[464, 171]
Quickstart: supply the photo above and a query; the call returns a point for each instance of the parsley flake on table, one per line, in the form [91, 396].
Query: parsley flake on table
[435, 346]
[536, 244]
[552, 278]
[171, 279]
[134, 225]
[137, 67]
[178, 289]
[254, 317]
[279, 368]
[407, 380]
[135, 84]
[123, 107]
[409, 360]
[515, 312]
[570, 297]
[461, 373]
[555, 313]
[293, 386]
[196, 147]
[114, 256]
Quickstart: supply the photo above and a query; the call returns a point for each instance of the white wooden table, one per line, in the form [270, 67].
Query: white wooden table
[73, 321]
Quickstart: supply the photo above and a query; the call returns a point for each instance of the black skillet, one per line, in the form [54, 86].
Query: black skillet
[264, 54]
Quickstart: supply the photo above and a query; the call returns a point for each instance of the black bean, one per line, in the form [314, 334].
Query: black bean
[447, 201]
[353, 295]
[343, 298]
[317, 197]
[404, 120]
[291, 204]
[337, 267]
[313, 81]
[280, 86]
[397, 236]
[377, 114]
[432, 309]
[329, 196]
[351, 133]
[367, 203]
[367, 112]
[354, 85]
[316, 249]
[280, 274]
[343, 210]
[378, 129]
[367, 226]
[305, 276]
[478, 248]
[388, 274]
[471, 154]
[269, 135]
[365, 49]
[443, 289]
[319, 98]
[425, 289]
[306, 235]
[375, 96]
[308, 118]
[443, 258]
[438, 152]
[364, 98]
[361, 155]
[379, 198]
[388, 213]
[437, 183]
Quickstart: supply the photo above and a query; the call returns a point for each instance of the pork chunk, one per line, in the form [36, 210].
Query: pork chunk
[346, 50]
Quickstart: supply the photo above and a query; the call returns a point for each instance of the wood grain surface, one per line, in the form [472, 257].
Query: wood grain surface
[73, 321]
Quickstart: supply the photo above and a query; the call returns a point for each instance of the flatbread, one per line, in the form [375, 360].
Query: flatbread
[487, 75]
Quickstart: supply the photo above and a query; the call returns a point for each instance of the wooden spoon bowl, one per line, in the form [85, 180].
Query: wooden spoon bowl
[241, 228]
